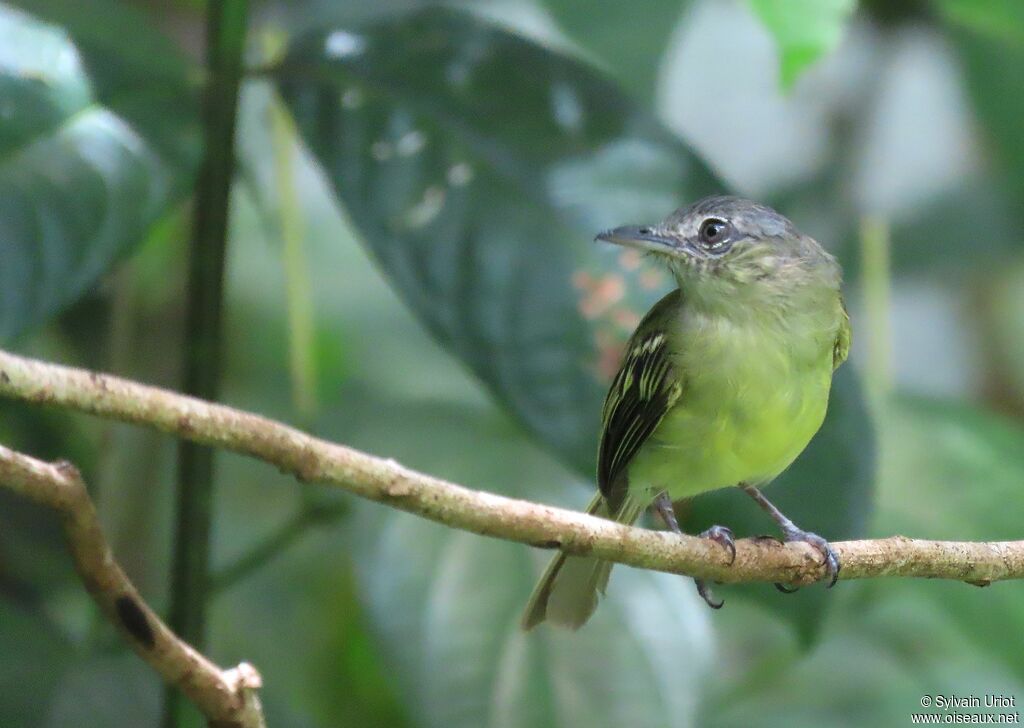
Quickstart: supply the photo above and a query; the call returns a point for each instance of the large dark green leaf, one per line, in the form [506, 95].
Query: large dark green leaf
[478, 167]
[93, 151]
[629, 43]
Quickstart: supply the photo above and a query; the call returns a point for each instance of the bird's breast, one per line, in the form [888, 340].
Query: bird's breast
[754, 394]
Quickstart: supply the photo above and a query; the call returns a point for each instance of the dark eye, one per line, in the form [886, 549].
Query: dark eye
[714, 233]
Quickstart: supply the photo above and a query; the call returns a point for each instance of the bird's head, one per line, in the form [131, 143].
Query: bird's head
[729, 248]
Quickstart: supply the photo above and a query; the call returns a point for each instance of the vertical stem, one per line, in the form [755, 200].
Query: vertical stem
[225, 44]
[874, 236]
[299, 295]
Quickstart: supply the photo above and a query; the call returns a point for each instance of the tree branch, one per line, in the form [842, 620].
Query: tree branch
[225, 697]
[385, 481]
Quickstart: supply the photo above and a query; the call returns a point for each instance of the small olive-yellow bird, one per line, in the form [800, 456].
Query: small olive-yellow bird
[723, 383]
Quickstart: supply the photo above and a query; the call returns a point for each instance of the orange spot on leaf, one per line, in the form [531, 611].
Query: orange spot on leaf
[582, 280]
[630, 259]
[627, 318]
[606, 292]
[651, 279]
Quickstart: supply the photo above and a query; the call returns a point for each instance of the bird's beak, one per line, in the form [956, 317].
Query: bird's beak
[642, 237]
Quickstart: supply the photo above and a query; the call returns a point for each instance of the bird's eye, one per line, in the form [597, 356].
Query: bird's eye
[714, 233]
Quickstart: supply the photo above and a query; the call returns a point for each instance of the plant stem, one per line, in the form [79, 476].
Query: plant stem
[273, 545]
[874, 236]
[301, 323]
[225, 44]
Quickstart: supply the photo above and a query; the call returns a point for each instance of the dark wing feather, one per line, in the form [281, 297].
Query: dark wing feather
[644, 389]
[841, 349]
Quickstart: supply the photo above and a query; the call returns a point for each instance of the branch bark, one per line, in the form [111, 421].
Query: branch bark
[228, 698]
[385, 481]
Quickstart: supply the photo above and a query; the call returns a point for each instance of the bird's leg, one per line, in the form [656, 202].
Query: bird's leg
[792, 533]
[719, 534]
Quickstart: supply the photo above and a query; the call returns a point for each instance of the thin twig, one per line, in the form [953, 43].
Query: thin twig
[225, 697]
[273, 545]
[385, 481]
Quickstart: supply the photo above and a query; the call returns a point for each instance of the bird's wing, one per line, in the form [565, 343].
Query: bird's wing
[841, 349]
[644, 389]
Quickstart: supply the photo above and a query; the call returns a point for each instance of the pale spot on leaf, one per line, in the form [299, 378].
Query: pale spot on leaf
[411, 143]
[565, 104]
[343, 44]
[457, 73]
[352, 98]
[460, 174]
[426, 209]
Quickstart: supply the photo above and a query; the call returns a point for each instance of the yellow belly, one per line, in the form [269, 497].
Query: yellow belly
[745, 419]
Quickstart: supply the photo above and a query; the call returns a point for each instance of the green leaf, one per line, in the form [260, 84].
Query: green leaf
[478, 167]
[953, 472]
[630, 44]
[116, 42]
[997, 103]
[999, 19]
[92, 153]
[804, 30]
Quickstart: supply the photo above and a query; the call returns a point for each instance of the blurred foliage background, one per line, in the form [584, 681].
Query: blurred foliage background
[410, 271]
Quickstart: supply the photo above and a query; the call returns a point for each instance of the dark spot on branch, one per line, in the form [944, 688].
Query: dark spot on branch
[980, 582]
[134, 620]
[551, 544]
[306, 469]
[4, 378]
[68, 469]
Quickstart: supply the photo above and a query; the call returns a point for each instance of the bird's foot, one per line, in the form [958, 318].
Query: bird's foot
[828, 555]
[722, 535]
[705, 593]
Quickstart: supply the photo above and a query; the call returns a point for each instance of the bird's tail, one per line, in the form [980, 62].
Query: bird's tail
[567, 593]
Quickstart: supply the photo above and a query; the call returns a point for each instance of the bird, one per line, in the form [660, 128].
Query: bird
[723, 383]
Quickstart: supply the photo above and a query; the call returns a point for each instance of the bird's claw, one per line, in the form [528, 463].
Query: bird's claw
[721, 535]
[705, 593]
[828, 555]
